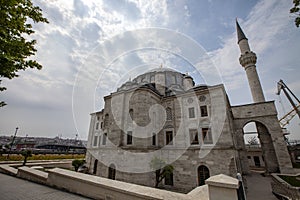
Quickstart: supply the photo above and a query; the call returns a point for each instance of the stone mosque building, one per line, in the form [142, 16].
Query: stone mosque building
[163, 114]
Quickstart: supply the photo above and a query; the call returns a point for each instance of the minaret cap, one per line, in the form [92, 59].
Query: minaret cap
[239, 31]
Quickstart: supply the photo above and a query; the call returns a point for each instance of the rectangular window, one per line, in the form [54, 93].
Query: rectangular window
[191, 113]
[104, 139]
[204, 112]
[206, 136]
[95, 140]
[194, 136]
[97, 125]
[169, 137]
[154, 139]
[99, 143]
[129, 137]
[169, 179]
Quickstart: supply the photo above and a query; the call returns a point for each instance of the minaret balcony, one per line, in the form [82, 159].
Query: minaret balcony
[248, 59]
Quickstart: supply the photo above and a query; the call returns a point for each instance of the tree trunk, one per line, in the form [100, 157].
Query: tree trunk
[157, 173]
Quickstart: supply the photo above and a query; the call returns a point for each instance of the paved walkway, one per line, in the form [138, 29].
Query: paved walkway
[12, 188]
[259, 187]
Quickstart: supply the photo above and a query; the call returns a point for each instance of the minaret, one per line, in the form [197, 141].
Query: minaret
[248, 61]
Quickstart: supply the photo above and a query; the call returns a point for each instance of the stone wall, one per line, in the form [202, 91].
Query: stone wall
[282, 188]
[217, 187]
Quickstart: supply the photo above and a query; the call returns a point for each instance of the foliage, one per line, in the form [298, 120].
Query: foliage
[26, 154]
[16, 17]
[296, 10]
[77, 163]
[15, 157]
[161, 169]
[292, 180]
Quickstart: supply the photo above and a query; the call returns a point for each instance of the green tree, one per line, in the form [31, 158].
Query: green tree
[77, 163]
[296, 10]
[161, 169]
[26, 154]
[16, 18]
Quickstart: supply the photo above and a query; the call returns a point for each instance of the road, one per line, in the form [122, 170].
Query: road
[12, 188]
[259, 187]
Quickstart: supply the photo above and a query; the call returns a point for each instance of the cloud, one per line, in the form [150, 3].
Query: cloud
[266, 21]
[84, 37]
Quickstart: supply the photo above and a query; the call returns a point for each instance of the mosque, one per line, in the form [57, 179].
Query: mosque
[162, 115]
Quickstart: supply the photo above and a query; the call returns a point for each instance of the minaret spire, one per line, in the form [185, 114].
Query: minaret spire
[239, 31]
[248, 61]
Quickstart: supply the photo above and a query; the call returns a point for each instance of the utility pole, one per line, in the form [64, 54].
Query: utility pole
[12, 142]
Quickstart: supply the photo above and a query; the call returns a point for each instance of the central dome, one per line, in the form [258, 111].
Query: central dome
[164, 80]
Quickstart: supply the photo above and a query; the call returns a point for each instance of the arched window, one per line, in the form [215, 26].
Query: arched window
[131, 113]
[169, 113]
[169, 179]
[112, 172]
[203, 174]
[106, 120]
[95, 166]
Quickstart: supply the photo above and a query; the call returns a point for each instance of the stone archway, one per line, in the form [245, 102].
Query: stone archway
[268, 151]
[274, 147]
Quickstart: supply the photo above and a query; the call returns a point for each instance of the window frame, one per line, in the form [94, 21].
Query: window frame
[169, 114]
[95, 141]
[104, 138]
[169, 179]
[191, 112]
[206, 132]
[129, 138]
[167, 134]
[194, 133]
[204, 111]
[154, 142]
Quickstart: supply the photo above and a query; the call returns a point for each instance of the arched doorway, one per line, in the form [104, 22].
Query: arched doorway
[261, 152]
[203, 174]
[253, 147]
[95, 166]
[112, 172]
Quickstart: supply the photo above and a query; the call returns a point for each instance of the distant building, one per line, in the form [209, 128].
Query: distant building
[162, 113]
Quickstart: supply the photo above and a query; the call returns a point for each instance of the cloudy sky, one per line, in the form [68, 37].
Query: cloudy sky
[90, 48]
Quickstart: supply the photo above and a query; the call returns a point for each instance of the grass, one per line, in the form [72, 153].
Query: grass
[17, 157]
[292, 180]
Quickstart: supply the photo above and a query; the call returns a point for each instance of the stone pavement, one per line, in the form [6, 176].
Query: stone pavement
[12, 188]
[259, 187]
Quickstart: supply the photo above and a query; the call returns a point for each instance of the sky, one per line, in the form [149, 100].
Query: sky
[90, 48]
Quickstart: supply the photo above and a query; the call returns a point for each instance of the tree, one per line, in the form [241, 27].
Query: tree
[26, 154]
[161, 170]
[16, 17]
[296, 10]
[253, 140]
[77, 163]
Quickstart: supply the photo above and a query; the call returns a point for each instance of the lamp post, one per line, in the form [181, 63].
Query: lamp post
[12, 142]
